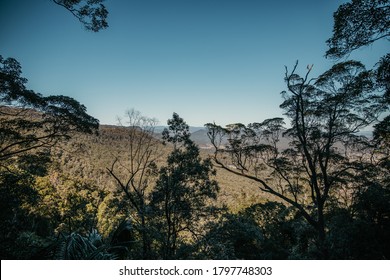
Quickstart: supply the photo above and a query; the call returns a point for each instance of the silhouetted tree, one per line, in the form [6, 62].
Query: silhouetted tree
[183, 192]
[325, 114]
[357, 24]
[30, 121]
[360, 23]
[91, 13]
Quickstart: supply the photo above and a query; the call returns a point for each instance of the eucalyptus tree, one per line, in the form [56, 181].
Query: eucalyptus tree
[30, 121]
[181, 198]
[357, 24]
[30, 126]
[91, 13]
[324, 149]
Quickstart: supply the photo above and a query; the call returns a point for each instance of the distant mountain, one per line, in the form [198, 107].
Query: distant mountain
[200, 138]
[198, 135]
[159, 129]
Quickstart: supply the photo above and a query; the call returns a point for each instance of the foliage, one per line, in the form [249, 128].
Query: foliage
[91, 13]
[70, 205]
[29, 121]
[231, 237]
[324, 150]
[381, 132]
[383, 76]
[267, 230]
[75, 246]
[180, 200]
[16, 196]
[359, 23]
[31, 125]
[140, 169]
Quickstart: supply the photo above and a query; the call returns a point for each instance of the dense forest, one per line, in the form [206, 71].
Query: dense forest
[309, 186]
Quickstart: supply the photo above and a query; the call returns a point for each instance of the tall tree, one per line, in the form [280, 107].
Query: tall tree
[361, 23]
[136, 172]
[325, 115]
[180, 200]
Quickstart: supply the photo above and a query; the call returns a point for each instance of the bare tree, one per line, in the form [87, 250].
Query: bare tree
[136, 171]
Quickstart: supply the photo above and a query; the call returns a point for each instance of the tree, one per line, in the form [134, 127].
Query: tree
[91, 13]
[30, 125]
[361, 23]
[324, 151]
[67, 204]
[135, 173]
[184, 189]
[30, 121]
[232, 236]
[382, 129]
[383, 76]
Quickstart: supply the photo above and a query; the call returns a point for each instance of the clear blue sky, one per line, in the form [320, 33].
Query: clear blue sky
[207, 60]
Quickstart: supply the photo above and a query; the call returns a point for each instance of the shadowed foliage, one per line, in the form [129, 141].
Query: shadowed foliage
[359, 23]
[91, 13]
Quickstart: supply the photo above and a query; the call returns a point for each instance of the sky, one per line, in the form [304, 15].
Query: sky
[219, 61]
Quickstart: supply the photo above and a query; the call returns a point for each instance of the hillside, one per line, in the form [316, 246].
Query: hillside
[89, 156]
